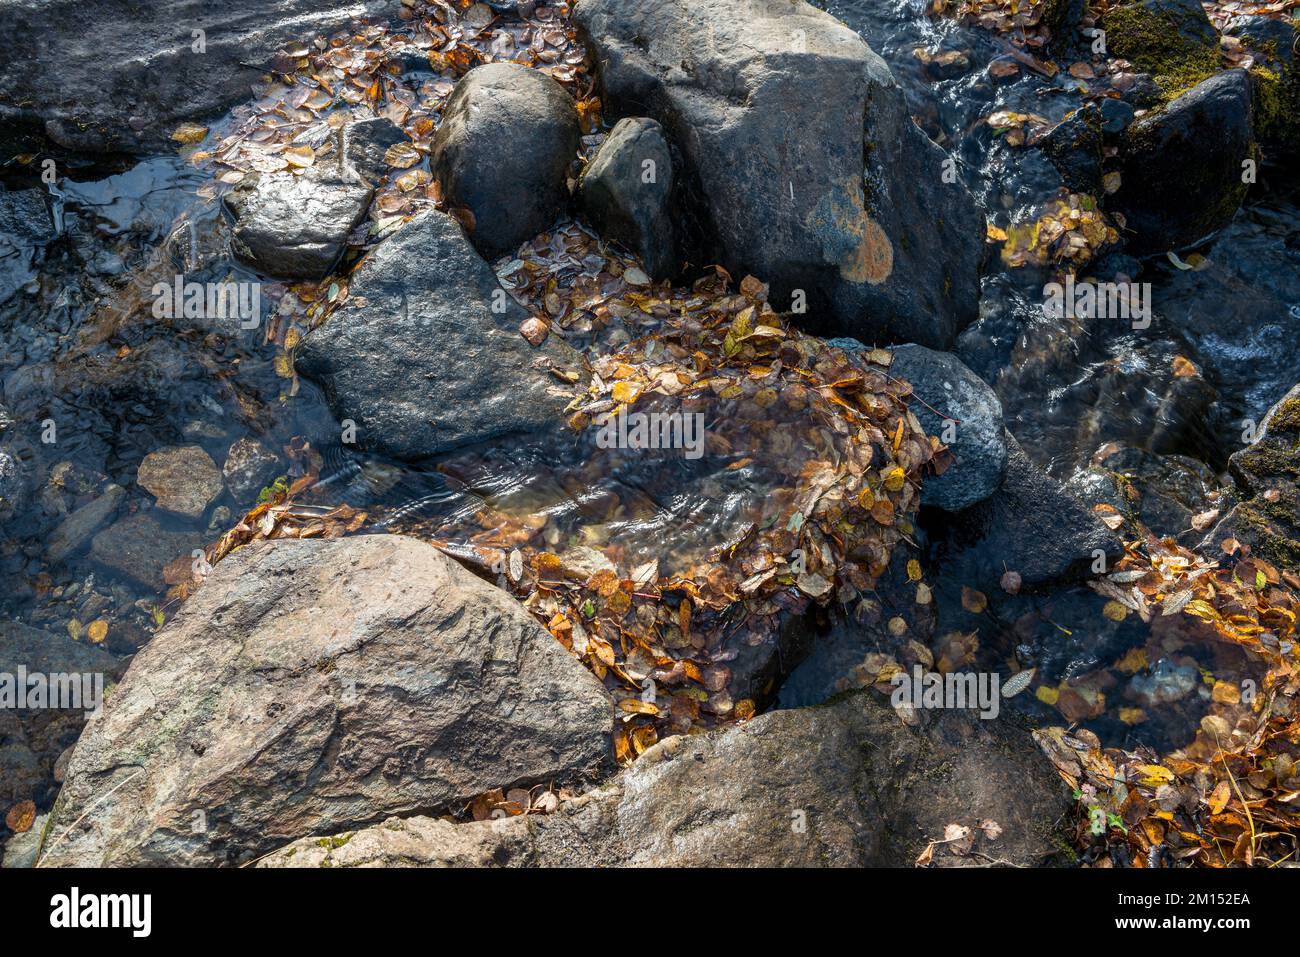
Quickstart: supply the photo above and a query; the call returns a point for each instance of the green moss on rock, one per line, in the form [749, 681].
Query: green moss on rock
[1163, 43]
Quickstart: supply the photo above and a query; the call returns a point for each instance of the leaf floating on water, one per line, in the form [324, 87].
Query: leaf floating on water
[1010, 582]
[21, 817]
[187, 134]
[1018, 682]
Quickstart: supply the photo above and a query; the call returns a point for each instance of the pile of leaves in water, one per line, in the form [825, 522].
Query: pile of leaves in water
[842, 457]
[1231, 796]
[1068, 231]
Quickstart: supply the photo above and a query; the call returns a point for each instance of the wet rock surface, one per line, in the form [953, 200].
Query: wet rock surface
[1265, 473]
[139, 546]
[1030, 525]
[507, 139]
[426, 364]
[951, 393]
[1181, 167]
[296, 226]
[183, 479]
[956, 404]
[33, 738]
[847, 785]
[249, 467]
[375, 677]
[787, 201]
[122, 76]
[365, 143]
[73, 533]
[626, 192]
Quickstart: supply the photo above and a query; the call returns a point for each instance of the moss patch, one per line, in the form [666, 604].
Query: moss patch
[1157, 43]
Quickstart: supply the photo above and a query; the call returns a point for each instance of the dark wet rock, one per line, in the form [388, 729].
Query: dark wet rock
[1116, 115]
[183, 479]
[627, 201]
[842, 786]
[1181, 167]
[424, 364]
[31, 739]
[979, 447]
[1095, 486]
[120, 75]
[15, 484]
[940, 380]
[365, 142]
[894, 260]
[75, 531]
[1239, 309]
[374, 677]
[25, 217]
[941, 64]
[1074, 146]
[508, 136]
[1266, 473]
[1030, 525]
[249, 467]
[1164, 492]
[296, 226]
[139, 546]
[25, 228]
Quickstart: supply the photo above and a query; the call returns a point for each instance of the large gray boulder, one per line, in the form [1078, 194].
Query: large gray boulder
[507, 137]
[626, 192]
[847, 785]
[122, 75]
[778, 110]
[421, 360]
[315, 685]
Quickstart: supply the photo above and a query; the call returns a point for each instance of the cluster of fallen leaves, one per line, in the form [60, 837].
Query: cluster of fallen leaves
[1231, 796]
[1069, 230]
[1022, 18]
[279, 515]
[839, 457]
[572, 280]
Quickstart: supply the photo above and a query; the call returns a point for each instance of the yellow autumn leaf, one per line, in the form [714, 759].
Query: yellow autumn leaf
[1115, 611]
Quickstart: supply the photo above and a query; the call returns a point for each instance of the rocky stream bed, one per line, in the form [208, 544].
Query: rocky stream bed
[510, 434]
